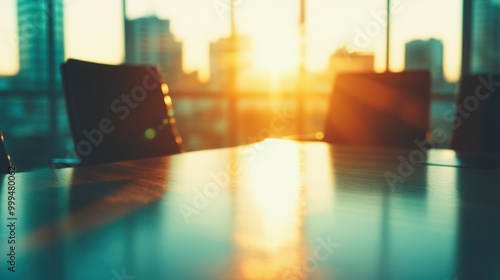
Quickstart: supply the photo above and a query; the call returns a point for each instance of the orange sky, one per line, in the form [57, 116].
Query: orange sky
[94, 29]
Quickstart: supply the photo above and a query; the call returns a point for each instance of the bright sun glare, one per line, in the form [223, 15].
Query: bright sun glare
[276, 54]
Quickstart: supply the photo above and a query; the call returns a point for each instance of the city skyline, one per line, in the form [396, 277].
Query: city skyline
[426, 55]
[148, 40]
[40, 48]
[485, 56]
[199, 25]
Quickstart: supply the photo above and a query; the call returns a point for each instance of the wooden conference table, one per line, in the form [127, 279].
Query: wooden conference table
[272, 210]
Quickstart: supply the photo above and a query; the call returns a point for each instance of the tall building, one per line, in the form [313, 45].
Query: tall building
[41, 49]
[426, 55]
[148, 40]
[224, 61]
[485, 45]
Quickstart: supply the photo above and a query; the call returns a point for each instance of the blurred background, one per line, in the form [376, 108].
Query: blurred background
[238, 70]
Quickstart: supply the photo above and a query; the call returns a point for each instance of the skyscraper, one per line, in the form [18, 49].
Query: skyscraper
[485, 55]
[224, 61]
[149, 41]
[343, 61]
[426, 55]
[41, 43]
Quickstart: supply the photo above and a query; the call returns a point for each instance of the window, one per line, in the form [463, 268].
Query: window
[243, 77]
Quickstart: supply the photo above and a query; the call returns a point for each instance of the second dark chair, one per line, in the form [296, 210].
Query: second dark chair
[477, 124]
[379, 109]
[118, 112]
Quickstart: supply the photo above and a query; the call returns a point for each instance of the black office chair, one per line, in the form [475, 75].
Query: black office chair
[118, 112]
[379, 109]
[477, 124]
[4, 157]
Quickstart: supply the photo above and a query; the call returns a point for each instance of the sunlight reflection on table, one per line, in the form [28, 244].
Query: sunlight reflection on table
[269, 215]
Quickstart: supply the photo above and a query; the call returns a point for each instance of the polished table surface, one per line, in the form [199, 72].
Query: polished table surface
[272, 210]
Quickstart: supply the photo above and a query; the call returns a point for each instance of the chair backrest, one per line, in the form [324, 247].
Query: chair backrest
[379, 109]
[118, 112]
[4, 157]
[476, 128]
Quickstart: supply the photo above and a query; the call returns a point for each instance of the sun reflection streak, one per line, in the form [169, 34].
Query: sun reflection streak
[268, 227]
[442, 209]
